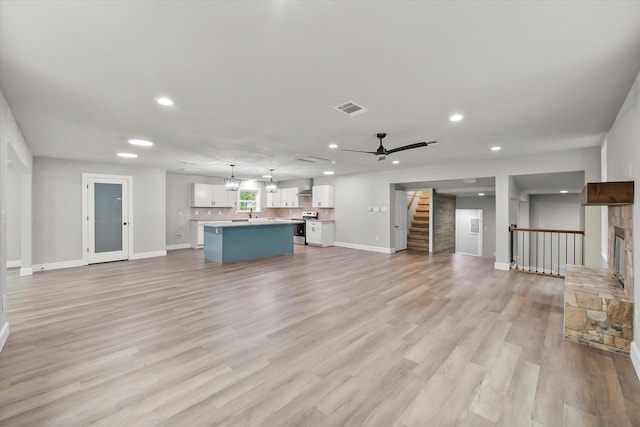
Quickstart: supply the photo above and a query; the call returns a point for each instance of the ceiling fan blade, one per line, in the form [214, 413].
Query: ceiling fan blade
[410, 146]
[359, 151]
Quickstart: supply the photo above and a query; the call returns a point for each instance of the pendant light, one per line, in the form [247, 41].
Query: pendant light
[232, 184]
[271, 186]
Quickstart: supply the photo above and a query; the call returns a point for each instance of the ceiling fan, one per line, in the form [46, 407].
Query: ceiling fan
[382, 152]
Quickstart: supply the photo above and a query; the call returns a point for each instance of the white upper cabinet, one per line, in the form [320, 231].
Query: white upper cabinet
[273, 199]
[201, 195]
[224, 198]
[289, 197]
[212, 195]
[323, 196]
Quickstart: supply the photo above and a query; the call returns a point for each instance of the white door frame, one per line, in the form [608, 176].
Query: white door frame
[85, 211]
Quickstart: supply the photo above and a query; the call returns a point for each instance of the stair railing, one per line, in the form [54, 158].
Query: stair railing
[413, 197]
[545, 251]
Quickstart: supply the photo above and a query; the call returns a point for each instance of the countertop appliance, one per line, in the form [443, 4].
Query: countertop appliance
[299, 234]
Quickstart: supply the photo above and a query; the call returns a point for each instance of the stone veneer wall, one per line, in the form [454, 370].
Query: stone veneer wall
[444, 223]
[622, 216]
[596, 310]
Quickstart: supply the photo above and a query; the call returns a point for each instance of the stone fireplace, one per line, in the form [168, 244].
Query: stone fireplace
[598, 302]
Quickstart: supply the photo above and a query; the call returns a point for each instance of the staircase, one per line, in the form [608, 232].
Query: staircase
[418, 238]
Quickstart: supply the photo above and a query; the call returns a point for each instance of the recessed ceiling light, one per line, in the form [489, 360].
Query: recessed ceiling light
[496, 148]
[333, 145]
[480, 194]
[128, 155]
[328, 172]
[456, 117]
[141, 142]
[163, 100]
[564, 191]
[395, 162]
[266, 176]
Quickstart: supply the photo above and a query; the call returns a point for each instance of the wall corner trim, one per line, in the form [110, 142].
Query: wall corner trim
[501, 266]
[26, 271]
[364, 247]
[635, 357]
[4, 334]
[143, 255]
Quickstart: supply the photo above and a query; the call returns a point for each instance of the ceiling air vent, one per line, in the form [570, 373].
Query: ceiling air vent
[350, 108]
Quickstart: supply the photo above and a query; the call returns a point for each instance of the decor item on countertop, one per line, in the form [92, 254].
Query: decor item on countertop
[271, 186]
[232, 183]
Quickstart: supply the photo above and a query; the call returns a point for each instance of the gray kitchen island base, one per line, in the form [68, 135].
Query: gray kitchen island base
[232, 242]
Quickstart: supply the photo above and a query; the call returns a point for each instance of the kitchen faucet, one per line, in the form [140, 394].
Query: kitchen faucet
[250, 212]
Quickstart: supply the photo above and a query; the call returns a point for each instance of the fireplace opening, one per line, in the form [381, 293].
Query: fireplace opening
[619, 257]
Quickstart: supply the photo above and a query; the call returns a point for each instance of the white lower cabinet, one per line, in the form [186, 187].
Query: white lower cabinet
[320, 233]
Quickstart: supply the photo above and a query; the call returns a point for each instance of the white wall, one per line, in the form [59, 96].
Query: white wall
[488, 206]
[179, 205]
[14, 224]
[57, 208]
[556, 211]
[14, 147]
[623, 164]
[466, 241]
[354, 193]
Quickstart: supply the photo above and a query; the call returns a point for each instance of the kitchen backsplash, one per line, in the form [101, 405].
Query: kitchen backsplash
[230, 213]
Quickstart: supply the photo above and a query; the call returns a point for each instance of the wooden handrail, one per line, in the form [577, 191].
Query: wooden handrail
[546, 230]
[412, 199]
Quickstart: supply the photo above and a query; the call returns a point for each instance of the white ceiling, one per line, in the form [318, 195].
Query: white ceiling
[255, 83]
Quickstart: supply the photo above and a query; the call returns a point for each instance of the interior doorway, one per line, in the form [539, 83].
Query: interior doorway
[107, 234]
[469, 231]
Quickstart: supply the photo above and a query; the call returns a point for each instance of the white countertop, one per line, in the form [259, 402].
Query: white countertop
[321, 220]
[251, 222]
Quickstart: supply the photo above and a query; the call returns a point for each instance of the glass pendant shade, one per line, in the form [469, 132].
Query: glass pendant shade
[271, 186]
[232, 184]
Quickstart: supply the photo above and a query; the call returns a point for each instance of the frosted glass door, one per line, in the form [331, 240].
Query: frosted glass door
[107, 219]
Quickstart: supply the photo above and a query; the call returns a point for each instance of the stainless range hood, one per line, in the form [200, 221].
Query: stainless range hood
[307, 191]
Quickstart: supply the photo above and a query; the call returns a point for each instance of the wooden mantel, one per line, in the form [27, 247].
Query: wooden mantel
[615, 193]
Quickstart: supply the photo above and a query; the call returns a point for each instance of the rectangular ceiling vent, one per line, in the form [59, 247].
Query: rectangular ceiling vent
[350, 108]
[313, 159]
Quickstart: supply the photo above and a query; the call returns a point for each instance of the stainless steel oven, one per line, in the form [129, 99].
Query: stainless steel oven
[299, 233]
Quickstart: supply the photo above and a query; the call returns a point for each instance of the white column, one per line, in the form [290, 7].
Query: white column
[26, 225]
[502, 223]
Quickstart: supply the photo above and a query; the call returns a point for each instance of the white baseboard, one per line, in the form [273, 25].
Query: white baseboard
[364, 247]
[179, 246]
[143, 255]
[4, 334]
[14, 264]
[58, 265]
[26, 271]
[501, 266]
[635, 357]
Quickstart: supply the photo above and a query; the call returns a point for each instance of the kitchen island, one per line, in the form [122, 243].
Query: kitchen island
[226, 242]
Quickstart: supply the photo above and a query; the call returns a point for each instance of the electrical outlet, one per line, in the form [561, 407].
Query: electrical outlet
[197, 213]
[209, 212]
[376, 238]
[178, 236]
[219, 212]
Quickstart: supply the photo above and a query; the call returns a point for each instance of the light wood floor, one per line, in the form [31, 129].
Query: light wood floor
[326, 337]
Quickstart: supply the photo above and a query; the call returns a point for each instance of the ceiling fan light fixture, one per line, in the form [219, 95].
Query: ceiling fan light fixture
[271, 186]
[456, 117]
[232, 183]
